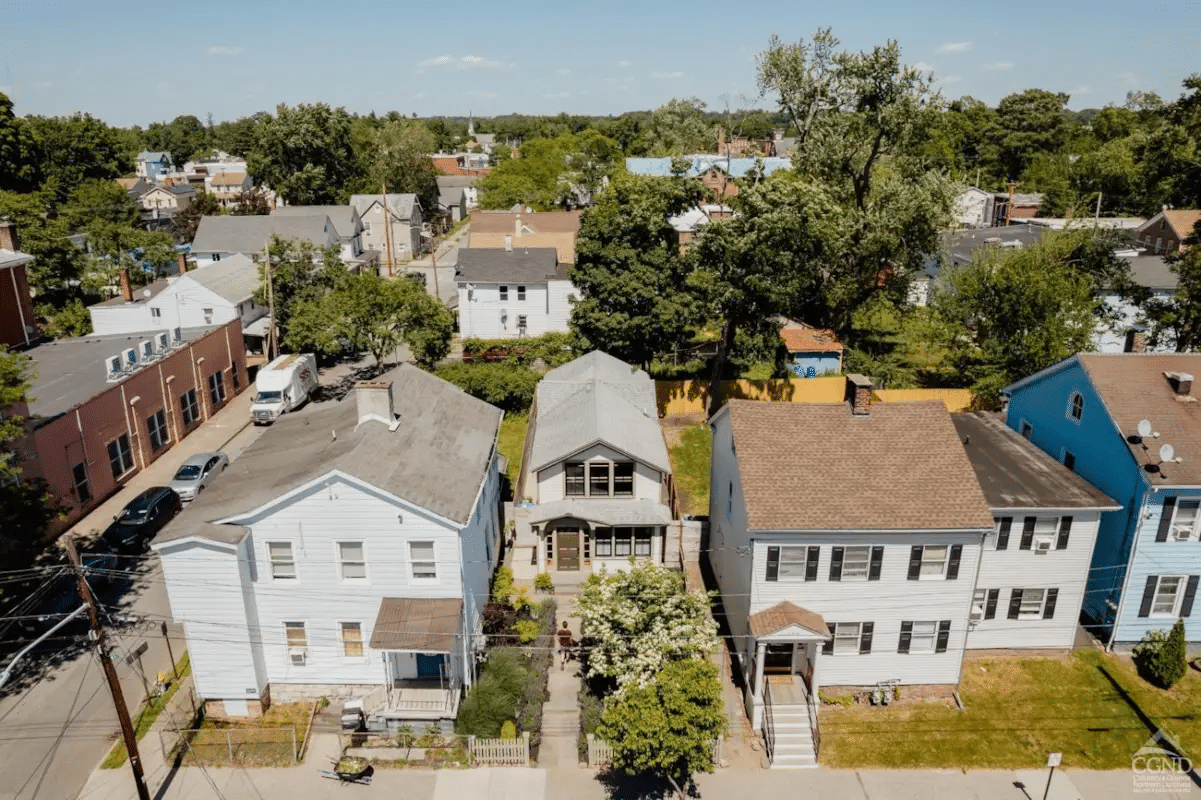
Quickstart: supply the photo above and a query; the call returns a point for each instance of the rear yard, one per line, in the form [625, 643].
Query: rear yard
[690, 446]
[1086, 705]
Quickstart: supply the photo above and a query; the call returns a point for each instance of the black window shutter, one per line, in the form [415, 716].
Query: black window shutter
[953, 564]
[1190, 592]
[944, 635]
[811, 557]
[1049, 606]
[915, 562]
[1015, 603]
[1165, 520]
[1144, 610]
[1065, 530]
[828, 646]
[836, 563]
[990, 605]
[1003, 533]
[865, 638]
[773, 563]
[873, 570]
[1027, 533]
[906, 637]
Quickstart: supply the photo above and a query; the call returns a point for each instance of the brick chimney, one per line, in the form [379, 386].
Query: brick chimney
[126, 289]
[859, 394]
[183, 263]
[1136, 340]
[1182, 382]
[374, 401]
[8, 236]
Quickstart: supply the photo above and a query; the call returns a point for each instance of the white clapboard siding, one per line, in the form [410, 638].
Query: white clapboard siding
[551, 486]
[729, 543]
[1066, 570]
[560, 297]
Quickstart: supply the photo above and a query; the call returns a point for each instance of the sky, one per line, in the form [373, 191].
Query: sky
[135, 63]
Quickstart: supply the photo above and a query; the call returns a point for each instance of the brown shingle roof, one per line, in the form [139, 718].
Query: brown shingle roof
[810, 340]
[417, 624]
[1182, 220]
[228, 178]
[1133, 387]
[815, 466]
[534, 221]
[564, 243]
[782, 615]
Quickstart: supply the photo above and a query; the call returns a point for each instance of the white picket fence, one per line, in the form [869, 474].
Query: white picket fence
[600, 752]
[506, 752]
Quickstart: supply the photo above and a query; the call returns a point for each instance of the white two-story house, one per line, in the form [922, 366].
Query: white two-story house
[845, 539]
[347, 553]
[1034, 567]
[513, 292]
[596, 467]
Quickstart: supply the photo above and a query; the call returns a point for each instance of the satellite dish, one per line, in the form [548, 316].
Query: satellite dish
[1167, 452]
[146, 293]
[1144, 427]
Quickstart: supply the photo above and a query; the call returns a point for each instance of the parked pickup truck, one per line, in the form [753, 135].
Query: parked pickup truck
[283, 385]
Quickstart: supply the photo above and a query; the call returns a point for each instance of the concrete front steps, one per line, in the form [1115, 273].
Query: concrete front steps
[792, 738]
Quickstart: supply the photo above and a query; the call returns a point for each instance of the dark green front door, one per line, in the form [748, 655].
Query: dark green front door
[429, 666]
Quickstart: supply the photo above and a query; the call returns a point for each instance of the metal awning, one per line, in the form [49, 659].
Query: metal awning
[417, 625]
[257, 328]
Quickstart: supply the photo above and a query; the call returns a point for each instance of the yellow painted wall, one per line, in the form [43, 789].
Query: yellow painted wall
[688, 397]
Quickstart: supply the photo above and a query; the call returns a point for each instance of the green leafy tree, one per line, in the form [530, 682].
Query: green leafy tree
[1029, 123]
[99, 201]
[15, 167]
[187, 221]
[551, 173]
[666, 728]
[679, 128]
[26, 506]
[1010, 313]
[508, 387]
[58, 264]
[304, 153]
[251, 202]
[1176, 320]
[235, 137]
[71, 320]
[67, 151]
[1162, 658]
[634, 302]
[300, 274]
[184, 138]
[397, 155]
[637, 621]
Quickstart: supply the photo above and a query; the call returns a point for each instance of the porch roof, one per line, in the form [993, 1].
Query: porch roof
[417, 624]
[609, 511]
[785, 615]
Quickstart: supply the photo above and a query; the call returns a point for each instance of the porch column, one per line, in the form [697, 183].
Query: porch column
[540, 547]
[760, 654]
[657, 545]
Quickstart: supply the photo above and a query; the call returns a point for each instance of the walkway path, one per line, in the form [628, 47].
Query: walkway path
[561, 713]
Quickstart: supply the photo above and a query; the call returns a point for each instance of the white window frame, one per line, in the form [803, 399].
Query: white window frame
[1027, 608]
[1072, 413]
[795, 556]
[843, 636]
[979, 601]
[1191, 530]
[271, 562]
[946, 559]
[297, 653]
[917, 638]
[1177, 598]
[866, 559]
[344, 562]
[362, 643]
[433, 560]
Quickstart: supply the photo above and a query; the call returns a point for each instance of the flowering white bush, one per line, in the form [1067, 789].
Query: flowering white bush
[638, 621]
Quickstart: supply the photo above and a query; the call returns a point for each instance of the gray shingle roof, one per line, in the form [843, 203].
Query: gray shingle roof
[400, 205]
[497, 265]
[250, 234]
[597, 399]
[437, 457]
[345, 218]
[235, 278]
[1153, 272]
[607, 511]
[139, 294]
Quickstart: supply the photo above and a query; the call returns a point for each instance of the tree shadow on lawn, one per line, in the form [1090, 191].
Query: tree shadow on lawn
[1152, 728]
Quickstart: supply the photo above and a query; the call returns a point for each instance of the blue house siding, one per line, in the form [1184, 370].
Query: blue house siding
[1102, 458]
[1158, 558]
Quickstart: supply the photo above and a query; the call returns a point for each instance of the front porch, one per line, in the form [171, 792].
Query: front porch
[582, 537]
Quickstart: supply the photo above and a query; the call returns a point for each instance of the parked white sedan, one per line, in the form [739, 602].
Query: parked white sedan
[195, 473]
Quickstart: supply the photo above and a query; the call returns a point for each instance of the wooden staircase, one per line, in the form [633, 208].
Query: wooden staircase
[788, 728]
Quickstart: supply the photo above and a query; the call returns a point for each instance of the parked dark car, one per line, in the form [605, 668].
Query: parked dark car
[143, 517]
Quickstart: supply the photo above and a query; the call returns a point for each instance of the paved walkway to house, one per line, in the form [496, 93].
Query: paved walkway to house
[561, 713]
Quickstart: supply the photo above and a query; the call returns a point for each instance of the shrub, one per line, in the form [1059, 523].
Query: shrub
[1161, 658]
[844, 700]
[493, 699]
[526, 630]
[508, 730]
[502, 586]
[592, 708]
[504, 386]
[553, 348]
[544, 583]
[405, 735]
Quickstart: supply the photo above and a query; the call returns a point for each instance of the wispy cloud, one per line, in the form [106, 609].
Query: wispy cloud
[1128, 79]
[557, 94]
[922, 66]
[466, 62]
[419, 95]
[998, 66]
[954, 47]
[225, 50]
[565, 71]
[1080, 90]
[666, 76]
[623, 63]
[950, 79]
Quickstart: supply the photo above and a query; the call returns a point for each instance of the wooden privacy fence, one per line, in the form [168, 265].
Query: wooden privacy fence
[506, 752]
[674, 398]
[600, 752]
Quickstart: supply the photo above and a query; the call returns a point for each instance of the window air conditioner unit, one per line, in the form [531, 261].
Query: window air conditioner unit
[1182, 533]
[298, 655]
[1042, 546]
[131, 358]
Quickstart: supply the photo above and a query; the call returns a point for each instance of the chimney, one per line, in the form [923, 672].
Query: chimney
[8, 236]
[508, 243]
[1136, 340]
[126, 289]
[183, 263]
[374, 401]
[859, 394]
[1182, 383]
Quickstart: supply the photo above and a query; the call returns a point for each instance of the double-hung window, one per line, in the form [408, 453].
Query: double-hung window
[351, 561]
[1168, 592]
[1032, 603]
[156, 423]
[623, 479]
[521, 294]
[926, 636]
[642, 541]
[298, 641]
[1184, 521]
[120, 456]
[283, 563]
[849, 638]
[598, 479]
[421, 560]
[504, 294]
[352, 639]
[216, 388]
[792, 563]
[602, 542]
[189, 406]
[83, 489]
[855, 561]
[922, 637]
[934, 561]
[574, 479]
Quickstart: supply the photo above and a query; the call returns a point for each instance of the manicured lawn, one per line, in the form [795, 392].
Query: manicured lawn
[512, 438]
[1018, 711]
[690, 463]
[146, 717]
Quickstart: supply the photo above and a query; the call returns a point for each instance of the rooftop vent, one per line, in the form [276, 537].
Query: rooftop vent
[1182, 383]
[374, 402]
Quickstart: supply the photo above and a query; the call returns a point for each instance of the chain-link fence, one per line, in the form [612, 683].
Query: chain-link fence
[232, 747]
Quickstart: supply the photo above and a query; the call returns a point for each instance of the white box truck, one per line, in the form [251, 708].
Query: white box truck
[283, 385]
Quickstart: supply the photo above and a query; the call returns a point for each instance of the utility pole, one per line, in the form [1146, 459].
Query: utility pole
[272, 345]
[110, 674]
[387, 225]
[1097, 213]
[434, 267]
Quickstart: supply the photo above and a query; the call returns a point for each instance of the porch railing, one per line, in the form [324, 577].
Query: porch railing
[769, 724]
[446, 699]
[814, 725]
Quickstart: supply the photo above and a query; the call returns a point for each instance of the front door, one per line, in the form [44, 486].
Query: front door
[567, 545]
[777, 659]
[429, 666]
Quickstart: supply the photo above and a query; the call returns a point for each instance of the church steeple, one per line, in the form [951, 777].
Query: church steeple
[470, 125]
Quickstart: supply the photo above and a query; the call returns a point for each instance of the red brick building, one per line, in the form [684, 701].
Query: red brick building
[18, 327]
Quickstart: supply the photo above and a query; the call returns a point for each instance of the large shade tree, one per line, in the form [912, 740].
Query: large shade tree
[304, 153]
